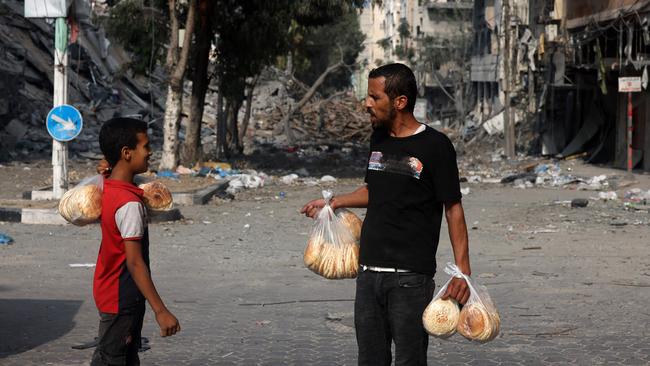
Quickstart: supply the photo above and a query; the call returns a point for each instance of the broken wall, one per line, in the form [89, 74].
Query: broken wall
[100, 84]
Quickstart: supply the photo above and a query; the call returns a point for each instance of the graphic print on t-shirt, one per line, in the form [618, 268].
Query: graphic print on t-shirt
[406, 165]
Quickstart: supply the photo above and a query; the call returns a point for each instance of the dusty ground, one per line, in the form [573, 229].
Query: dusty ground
[571, 284]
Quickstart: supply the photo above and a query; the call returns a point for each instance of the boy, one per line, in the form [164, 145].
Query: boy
[122, 280]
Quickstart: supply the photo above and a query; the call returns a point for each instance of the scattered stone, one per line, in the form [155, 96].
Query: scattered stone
[618, 223]
[579, 202]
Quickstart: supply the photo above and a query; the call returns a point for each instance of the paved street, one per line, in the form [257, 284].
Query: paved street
[571, 285]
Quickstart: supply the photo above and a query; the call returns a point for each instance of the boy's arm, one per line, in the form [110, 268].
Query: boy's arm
[455, 216]
[358, 198]
[138, 269]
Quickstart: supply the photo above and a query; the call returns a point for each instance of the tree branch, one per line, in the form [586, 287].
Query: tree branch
[310, 93]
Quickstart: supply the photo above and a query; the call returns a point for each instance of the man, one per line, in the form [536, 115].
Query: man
[411, 176]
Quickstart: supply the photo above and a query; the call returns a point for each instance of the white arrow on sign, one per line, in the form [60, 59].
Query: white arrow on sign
[67, 125]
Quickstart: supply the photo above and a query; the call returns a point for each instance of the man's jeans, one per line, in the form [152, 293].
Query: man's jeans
[388, 308]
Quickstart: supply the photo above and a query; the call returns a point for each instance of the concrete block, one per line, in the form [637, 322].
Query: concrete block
[200, 197]
[41, 196]
[42, 216]
[16, 129]
[10, 214]
[183, 198]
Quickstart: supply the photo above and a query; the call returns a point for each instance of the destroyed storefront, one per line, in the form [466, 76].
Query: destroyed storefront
[566, 61]
[489, 62]
[584, 112]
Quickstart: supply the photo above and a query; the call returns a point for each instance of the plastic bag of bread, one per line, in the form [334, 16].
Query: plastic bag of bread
[477, 321]
[332, 249]
[157, 196]
[83, 204]
[351, 221]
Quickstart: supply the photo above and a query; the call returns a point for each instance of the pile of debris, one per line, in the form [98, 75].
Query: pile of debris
[332, 120]
[337, 118]
[100, 85]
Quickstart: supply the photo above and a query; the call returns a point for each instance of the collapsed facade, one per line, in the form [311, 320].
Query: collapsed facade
[567, 58]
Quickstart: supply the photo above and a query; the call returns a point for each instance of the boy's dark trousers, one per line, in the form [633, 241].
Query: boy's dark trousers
[119, 338]
[388, 308]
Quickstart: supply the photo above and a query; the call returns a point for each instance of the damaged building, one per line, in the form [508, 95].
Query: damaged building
[567, 58]
[432, 36]
[100, 83]
[604, 41]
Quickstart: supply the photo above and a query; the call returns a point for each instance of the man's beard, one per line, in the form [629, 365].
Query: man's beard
[386, 122]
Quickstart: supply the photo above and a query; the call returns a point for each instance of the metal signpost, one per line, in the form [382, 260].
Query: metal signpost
[629, 85]
[57, 9]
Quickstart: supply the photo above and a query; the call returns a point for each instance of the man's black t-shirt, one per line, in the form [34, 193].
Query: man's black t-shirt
[408, 180]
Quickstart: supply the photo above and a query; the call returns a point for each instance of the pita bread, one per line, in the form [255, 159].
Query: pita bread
[157, 196]
[81, 205]
[440, 318]
[477, 324]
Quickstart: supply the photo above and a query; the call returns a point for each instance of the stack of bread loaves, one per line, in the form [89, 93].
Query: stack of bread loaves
[442, 318]
[157, 196]
[82, 204]
[477, 321]
[333, 248]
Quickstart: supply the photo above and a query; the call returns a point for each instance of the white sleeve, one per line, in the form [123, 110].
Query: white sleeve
[130, 220]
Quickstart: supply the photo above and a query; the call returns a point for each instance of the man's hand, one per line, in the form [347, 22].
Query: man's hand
[458, 290]
[312, 208]
[358, 198]
[104, 168]
[168, 323]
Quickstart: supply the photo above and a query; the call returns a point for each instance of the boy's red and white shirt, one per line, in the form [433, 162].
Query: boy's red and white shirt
[124, 218]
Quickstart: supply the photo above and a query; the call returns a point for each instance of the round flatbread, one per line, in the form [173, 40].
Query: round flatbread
[440, 318]
[475, 323]
[81, 205]
[157, 196]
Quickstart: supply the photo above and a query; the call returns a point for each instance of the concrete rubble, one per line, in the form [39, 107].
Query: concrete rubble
[100, 84]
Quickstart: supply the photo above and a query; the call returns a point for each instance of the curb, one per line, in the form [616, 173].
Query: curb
[50, 216]
[200, 197]
[10, 214]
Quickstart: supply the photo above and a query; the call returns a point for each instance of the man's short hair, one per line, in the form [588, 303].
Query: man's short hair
[399, 81]
[117, 133]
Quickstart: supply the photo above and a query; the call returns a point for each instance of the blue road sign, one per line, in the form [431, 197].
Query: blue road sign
[64, 122]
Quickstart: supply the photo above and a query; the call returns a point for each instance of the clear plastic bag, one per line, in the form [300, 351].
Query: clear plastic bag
[82, 204]
[332, 250]
[477, 321]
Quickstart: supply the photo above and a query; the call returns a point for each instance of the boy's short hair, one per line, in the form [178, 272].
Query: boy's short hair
[117, 133]
[400, 80]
